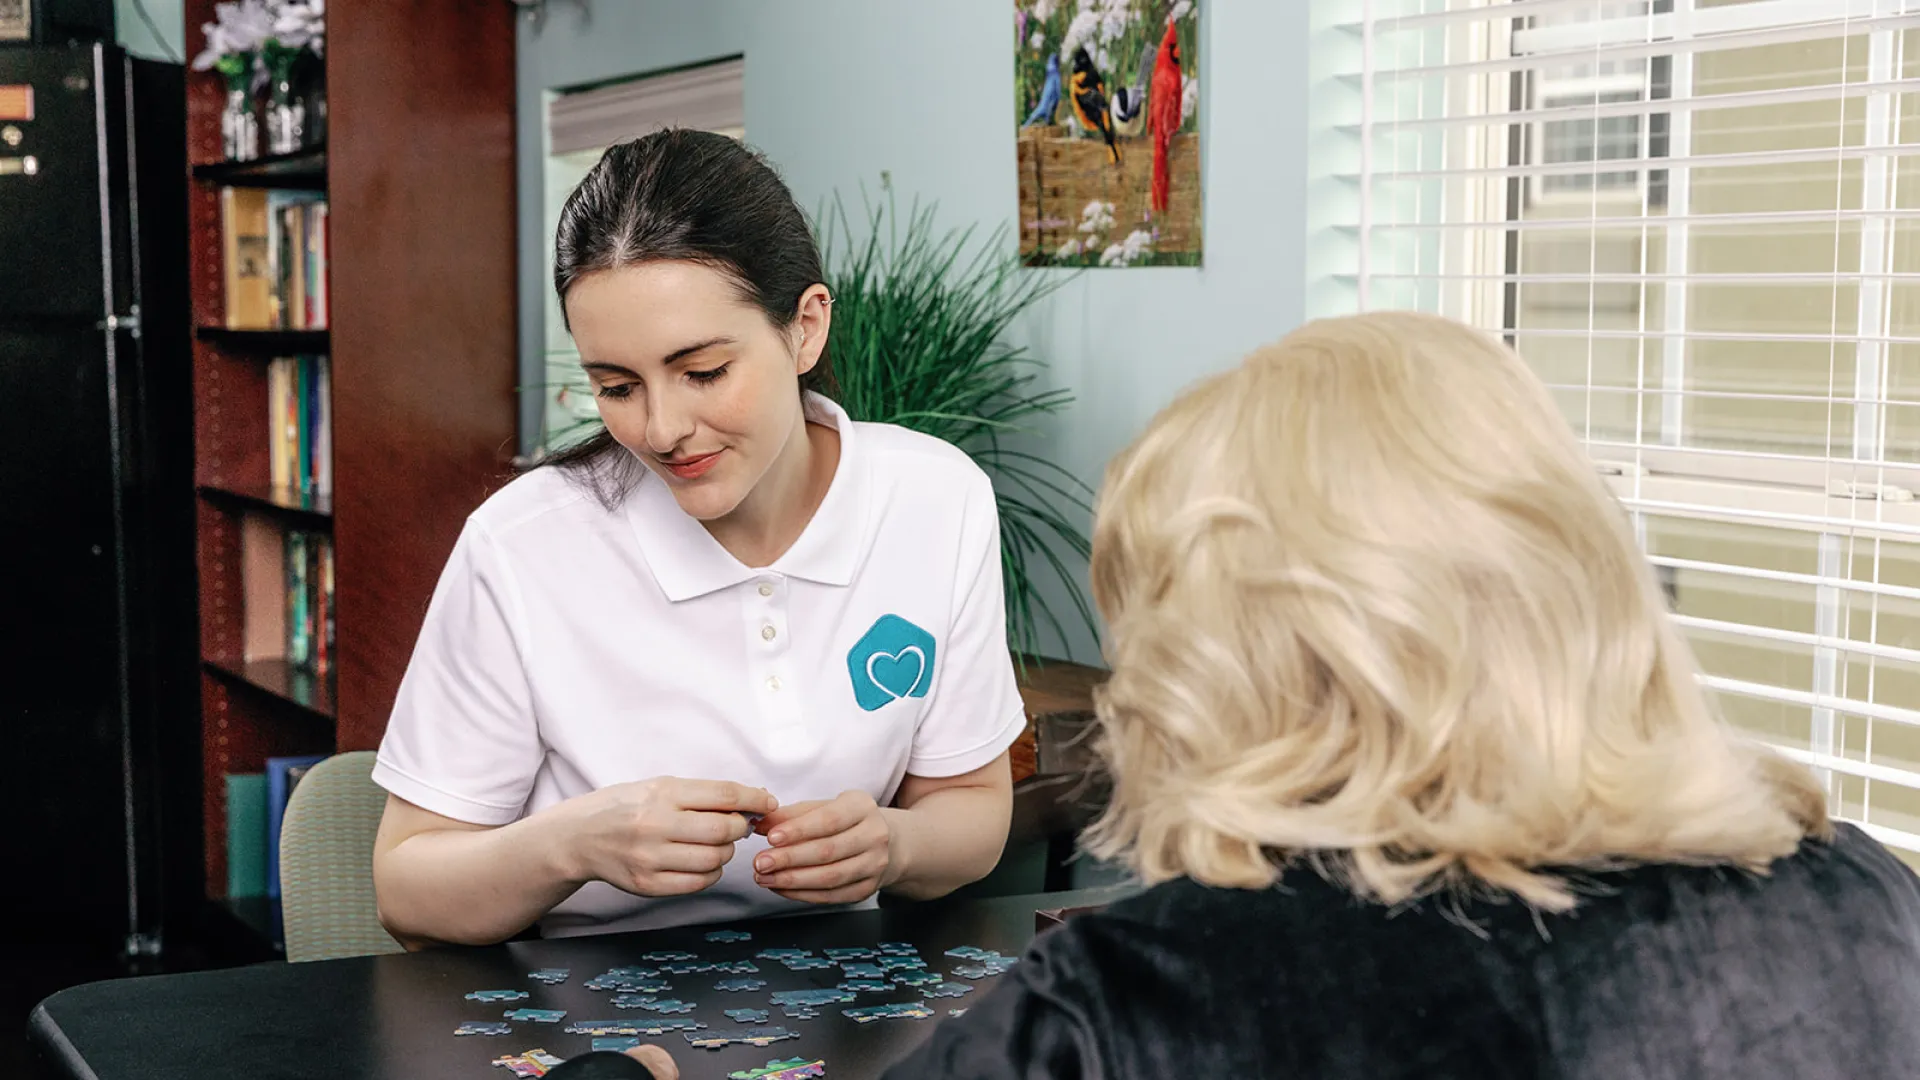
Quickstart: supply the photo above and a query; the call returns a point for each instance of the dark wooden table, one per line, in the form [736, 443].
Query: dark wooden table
[393, 1017]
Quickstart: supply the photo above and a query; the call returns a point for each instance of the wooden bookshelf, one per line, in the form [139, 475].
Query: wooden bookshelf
[419, 173]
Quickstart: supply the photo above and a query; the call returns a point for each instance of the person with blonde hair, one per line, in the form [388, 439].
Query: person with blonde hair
[1420, 772]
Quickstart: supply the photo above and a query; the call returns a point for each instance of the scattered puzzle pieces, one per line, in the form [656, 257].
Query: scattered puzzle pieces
[495, 996]
[737, 967]
[534, 1062]
[799, 1012]
[550, 976]
[785, 1069]
[537, 1016]
[956, 1012]
[870, 986]
[985, 969]
[899, 1010]
[662, 957]
[807, 963]
[747, 1016]
[946, 990]
[811, 997]
[483, 1027]
[643, 1026]
[917, 978]
[782, 955]
[617, 1043]
[736, 985]
[668, 1005]
[629, 981]
[896, 963]
[898, 948]
[863, 971]
[753, 1036]
[686, 967]
[969, 952]
[848, 954]
[633, 1001]
[630, 987]
[728, 937]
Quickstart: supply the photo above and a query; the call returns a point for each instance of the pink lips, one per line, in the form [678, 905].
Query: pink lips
[692, 468]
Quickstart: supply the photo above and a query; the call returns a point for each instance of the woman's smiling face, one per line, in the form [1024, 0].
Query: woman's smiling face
[691, 377]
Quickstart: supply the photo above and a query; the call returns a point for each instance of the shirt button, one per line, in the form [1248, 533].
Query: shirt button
[773, 683]
[766, 589]
[766, 633]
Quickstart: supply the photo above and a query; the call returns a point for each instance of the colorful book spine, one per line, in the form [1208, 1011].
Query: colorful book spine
[323, 633]
[299, 609]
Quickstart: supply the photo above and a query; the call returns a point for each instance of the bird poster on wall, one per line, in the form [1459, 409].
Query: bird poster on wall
[1107, 105]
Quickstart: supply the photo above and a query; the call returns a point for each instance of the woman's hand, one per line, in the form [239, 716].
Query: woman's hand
[660, 837]
[836, 851]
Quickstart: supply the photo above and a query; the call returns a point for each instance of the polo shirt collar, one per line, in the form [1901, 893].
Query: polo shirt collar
[687, 561]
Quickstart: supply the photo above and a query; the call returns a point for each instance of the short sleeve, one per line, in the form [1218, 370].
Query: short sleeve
[1034, 1025]
[974, 711]
[462, 741]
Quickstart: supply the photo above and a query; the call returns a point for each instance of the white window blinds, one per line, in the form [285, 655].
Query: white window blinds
[1699, 221]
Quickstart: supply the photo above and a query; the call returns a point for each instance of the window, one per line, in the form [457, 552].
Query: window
[581, 125]
[1699, 221]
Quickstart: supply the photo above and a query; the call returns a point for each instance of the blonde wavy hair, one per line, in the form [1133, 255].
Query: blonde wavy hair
[1370, 604]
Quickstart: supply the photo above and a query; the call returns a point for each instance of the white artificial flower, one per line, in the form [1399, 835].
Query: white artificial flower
[301, 23]
[1079, 32]
[1038, 39]
[1180, 11]
[1189, 97]
[238, 27]
[1136, 244]
[1115, 255]
[1069, 250]
[1043, 9]
[1097, 217]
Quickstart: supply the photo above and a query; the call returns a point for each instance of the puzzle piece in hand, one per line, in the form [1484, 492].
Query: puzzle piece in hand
[534, 1062]
[747, 1016]
[906, 1011]
[662, 957]
[896, 963]
[737, 967]
[917, 978]
[798, 1012]
[550, 976]
[728, 937]
[616, 1044]
[483, 1027]
[898, 948]
[492, 996]
[782, 955]
[686, 967]
[956, 1012]
[735, 985]
[752, 1036]
[537, 1016]
[871, 986]
[807, 963]
[863, 971]
[843, 955]
[783, 1069]
[946, 990]
[811, 997]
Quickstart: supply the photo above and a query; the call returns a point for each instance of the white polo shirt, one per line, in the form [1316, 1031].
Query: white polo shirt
[569, 647]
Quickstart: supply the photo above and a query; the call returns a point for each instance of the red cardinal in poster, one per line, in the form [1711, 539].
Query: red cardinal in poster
[1163, 114]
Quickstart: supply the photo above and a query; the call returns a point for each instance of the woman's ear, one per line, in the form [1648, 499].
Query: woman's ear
[812, 322]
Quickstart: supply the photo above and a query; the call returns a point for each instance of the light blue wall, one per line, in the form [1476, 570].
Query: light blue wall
[138, 38]
[839, 90]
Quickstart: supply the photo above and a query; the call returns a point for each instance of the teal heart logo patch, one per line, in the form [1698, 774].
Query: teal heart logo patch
[891, 661]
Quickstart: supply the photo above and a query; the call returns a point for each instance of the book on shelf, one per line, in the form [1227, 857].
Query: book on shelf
[280, 784]
[300, 425]
[276, 246]
[308, 565]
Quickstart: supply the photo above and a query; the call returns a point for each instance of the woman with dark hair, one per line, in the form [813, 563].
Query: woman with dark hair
[735, 618]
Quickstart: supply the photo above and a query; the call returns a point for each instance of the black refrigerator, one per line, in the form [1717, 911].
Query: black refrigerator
[99, 691]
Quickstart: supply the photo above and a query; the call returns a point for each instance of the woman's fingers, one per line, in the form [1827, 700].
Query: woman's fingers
[656, 1060]
[707, 827]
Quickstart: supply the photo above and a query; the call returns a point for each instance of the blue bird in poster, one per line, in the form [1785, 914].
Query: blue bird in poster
[1049, 96]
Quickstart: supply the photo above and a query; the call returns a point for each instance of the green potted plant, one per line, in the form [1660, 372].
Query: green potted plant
[919, 319]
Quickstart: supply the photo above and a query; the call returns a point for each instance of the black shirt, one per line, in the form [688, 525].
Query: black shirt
[1660, 972]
